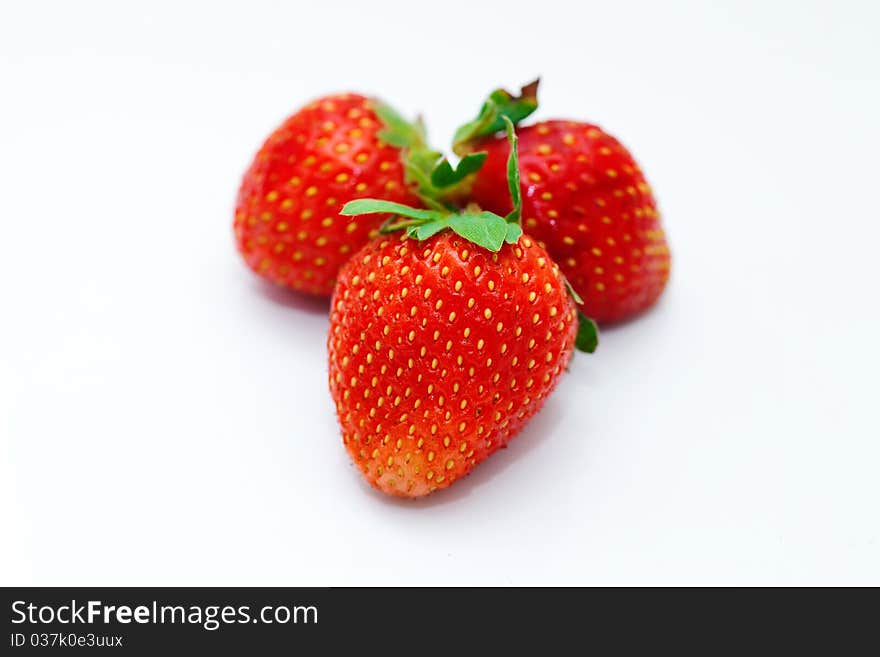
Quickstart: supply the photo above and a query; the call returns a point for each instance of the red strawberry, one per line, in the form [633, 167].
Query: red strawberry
[444, 341]
[287, 223]
[585, 200]
[440, 352]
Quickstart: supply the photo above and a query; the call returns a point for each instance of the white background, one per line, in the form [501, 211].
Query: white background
[164, 416]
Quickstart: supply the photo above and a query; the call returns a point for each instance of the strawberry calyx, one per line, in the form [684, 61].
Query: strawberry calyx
[503, 109]
[430, 174]
[499, 105]
[587, 338]
[483, 228]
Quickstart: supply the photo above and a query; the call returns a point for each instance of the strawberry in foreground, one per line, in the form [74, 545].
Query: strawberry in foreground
[585, 200]
[337, 148]
[444, 341]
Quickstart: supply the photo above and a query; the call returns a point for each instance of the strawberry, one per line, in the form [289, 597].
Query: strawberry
[585, 200]
[337, 148]
[444, 341]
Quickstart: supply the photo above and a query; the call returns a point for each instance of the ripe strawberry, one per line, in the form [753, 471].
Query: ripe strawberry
[440, 352]
[585, 200]
[444, 341]
[287, 224]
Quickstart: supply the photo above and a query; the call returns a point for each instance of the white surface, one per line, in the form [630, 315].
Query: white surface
[164, 417]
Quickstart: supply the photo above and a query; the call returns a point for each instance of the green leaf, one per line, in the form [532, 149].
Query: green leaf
[417, 157]
[490, 120]
[423, 160]
[444, 175]
[513, 233]
[419, 126]
[484, 229]
[427, 229]
[398, 131]
[513, 173]
[573, 294]
[588, 334]
[373, 206]
[418, 174]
